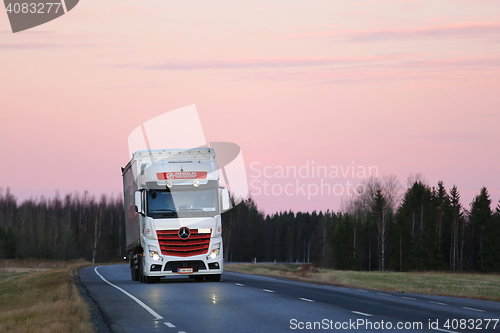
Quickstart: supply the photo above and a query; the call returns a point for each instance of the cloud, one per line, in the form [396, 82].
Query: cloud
[46, 46]
[429, 72]
[491, 61]
[453, 30]
[28, 46]
[418, 68]
[263, 63]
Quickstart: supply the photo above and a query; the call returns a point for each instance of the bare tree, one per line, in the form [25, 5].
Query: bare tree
[98, 219]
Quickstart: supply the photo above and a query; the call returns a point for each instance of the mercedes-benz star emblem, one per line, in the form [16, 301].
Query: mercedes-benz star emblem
[184, 233]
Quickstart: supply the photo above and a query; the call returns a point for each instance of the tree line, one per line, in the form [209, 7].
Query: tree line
[76, 226]
[424, 228]
[383, 228]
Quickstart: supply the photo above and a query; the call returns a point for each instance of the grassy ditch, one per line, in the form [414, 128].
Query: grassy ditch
[40, 296]
[478, 286]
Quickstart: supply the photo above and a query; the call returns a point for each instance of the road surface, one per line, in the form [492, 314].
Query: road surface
[248, 303]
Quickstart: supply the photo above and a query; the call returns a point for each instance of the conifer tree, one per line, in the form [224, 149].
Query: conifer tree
[480, 218]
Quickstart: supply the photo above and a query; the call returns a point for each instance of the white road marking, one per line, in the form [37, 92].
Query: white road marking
[269, 291]
[239, 284]
[439, 329]
[437, 303]
[473, 309]
[409, 298]
[362, 313]
[138, 301]
[384, 294]
[362, 290]
[169, 325]
[306, 299]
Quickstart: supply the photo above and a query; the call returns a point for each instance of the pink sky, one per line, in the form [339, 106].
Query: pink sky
[406, 86]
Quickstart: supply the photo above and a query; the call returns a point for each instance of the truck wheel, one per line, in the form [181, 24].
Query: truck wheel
[141, 270]
[213, 278]
[134, 271]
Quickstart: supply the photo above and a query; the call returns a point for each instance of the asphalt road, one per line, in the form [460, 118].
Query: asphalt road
[247, 303]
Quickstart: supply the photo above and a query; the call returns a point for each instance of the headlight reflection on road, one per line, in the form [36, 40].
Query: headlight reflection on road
[214, 299]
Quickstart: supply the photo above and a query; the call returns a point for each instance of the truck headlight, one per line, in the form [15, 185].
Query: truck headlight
[215, 252]
[153, 253]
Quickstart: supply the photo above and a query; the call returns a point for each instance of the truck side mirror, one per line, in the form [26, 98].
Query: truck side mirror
[226, 202]
[138, 202]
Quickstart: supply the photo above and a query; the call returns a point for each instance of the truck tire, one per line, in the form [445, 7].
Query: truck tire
[133, 270]
[213, 278]
[141, 269]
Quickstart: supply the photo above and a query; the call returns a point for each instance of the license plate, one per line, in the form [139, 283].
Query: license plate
[184, 270]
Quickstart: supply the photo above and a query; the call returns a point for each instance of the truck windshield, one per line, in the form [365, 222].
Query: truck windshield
[182, 203]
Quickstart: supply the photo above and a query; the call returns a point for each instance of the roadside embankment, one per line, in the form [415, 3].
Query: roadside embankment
[41, 296]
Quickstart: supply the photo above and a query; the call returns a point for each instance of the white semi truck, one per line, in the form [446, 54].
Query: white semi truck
[173, 206]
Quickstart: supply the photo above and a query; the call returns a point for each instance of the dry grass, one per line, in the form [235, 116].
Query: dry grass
[478, 286]
[40, 296]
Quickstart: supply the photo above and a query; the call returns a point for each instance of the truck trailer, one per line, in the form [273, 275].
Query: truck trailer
[173, 206]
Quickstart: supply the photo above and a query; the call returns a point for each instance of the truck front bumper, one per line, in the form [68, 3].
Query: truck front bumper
[184, 266]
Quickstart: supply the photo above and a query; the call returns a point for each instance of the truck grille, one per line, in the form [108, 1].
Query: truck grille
[172, 245]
